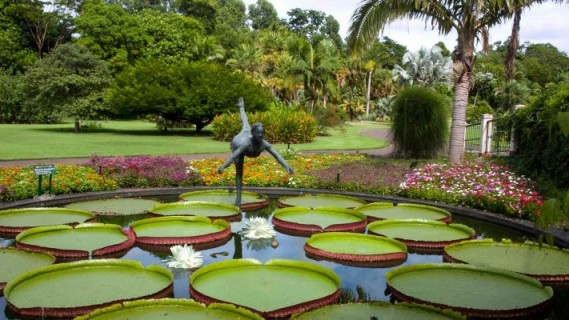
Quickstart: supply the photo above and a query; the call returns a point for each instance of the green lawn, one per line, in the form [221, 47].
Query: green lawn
[114, 138]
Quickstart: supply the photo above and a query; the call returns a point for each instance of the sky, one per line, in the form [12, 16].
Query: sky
[545, 23]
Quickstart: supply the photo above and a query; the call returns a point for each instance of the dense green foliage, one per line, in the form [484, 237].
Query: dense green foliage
[420, 122]
[543, 146]
[189, 92]
[282, 125]
[69, 83]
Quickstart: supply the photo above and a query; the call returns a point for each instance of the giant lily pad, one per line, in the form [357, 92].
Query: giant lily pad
[14, 221]
[277, 288]
[14, 262]
[82, 241]
[545, 263]
[421, 234]
[212, 210]
[320, 200]
[403, 211]
[171, 309]
[474, 291]
[76, 288]
[250, 201]
[200, 232]
[378, 310]
[356, 249]
[306, 221]
[115, 206]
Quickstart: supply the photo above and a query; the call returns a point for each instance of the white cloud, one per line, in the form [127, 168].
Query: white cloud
[545, 23]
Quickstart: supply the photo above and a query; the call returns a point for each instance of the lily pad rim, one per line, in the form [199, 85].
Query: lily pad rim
[458, 226]
[61, 227]
[247, 262]
[169, 302]
[428, 308]
[301, 209]
[220, 222]
[134, 264]
[233, 208]
[404, 204]
[221, 191]
[334, 234]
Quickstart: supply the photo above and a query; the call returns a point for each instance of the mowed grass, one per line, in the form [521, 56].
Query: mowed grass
[137, 137]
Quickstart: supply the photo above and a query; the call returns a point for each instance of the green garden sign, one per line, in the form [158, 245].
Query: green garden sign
[43, 170]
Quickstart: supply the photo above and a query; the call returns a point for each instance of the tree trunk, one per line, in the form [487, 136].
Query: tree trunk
[463, 58]
[368, 93]
[513, 47]
[77, 125]
[458, 125]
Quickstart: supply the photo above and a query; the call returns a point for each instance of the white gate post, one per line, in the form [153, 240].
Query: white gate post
[486, 134]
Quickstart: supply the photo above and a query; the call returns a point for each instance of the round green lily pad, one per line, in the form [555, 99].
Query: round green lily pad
[306, 221]
[76, 288]
[474, 291]
[543, 262]
[320, 200]
[275, 289]
[115, 206]
[422, 234]
[250, 201]
[172, 309]
[200, 232]
[14, 221]
[403, 211]
[356, 249]
[380, 310]
[14, 262]
[212, 210]
[80, 241]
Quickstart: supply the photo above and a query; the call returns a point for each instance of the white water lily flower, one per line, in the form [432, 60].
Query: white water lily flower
[258, 228]
[185, 257]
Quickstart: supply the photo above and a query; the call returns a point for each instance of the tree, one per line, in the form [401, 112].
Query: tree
[112, 33]
[543, 63]
[44, 28]
[202, 10]
[230, 24]
[185, 92]
[170, 36]
[425, 68]
[470, 19]
[263, 14]
[15, 53]
[314, 25]
[68, 82]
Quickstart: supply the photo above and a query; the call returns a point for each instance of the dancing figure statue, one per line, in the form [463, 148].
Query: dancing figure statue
[248, 142]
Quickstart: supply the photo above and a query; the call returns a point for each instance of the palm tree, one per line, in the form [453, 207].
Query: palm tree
[471, 20]
[425, 68]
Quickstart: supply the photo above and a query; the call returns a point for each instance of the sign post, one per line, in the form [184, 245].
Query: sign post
[40, 171]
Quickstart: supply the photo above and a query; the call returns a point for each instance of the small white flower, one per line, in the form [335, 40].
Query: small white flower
[184, 257]
[258, 228]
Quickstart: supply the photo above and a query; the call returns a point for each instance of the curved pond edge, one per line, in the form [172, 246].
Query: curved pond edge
[561, 236]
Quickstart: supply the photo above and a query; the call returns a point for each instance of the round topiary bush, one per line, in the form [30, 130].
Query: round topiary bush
[420, 123]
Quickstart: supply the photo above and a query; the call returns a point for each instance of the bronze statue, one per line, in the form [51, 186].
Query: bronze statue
[248, 142]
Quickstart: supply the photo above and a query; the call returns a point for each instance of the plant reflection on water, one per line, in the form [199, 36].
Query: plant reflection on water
[358, 283]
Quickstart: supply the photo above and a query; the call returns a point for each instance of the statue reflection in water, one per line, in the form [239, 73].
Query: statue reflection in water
[248, 142]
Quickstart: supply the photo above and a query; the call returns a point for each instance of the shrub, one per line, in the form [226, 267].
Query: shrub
[420, 123]
[147, 171]
[543, 148]
[474, 112]
[282, 125]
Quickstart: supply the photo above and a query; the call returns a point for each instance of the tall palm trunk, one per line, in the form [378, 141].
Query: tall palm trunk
[458, 125]
[368, 93]
[513, 47]
[463, 60]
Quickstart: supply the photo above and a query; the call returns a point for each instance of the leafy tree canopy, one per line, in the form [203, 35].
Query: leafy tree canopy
[68, 82]
[185, 92]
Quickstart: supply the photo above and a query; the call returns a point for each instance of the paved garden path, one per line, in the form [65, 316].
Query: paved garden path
[382, 134]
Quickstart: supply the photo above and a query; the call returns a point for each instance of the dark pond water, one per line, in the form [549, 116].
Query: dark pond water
[357, 282]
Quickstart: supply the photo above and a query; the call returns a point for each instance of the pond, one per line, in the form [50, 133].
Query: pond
[358, 283]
